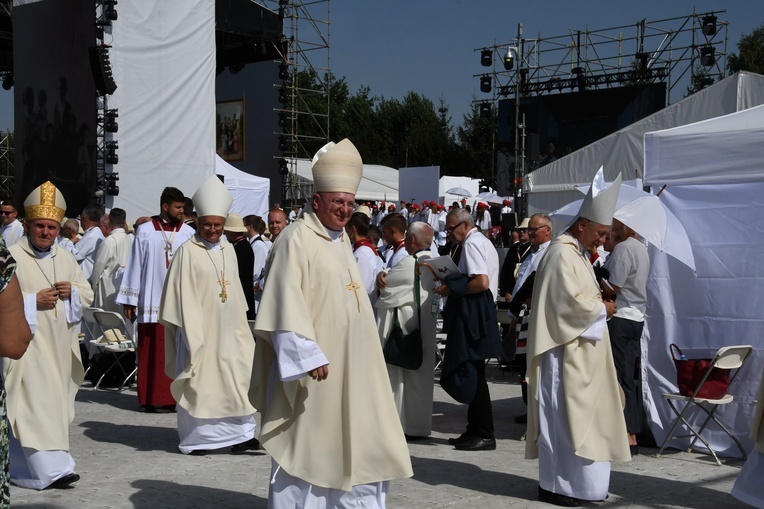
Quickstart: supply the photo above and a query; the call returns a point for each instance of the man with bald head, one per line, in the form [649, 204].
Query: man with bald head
[411, 297]
[575, 419]
[277, 221]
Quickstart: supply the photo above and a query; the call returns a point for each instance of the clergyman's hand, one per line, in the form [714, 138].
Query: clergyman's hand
[610, 307]
[130, 313]
[64, 289]
[46, 298]
[320, 373]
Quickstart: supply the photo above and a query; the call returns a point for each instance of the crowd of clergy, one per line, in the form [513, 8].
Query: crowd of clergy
[289, 316]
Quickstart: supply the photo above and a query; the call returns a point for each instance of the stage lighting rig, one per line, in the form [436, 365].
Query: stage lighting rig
[708, 25]
[485, 83]
[707, 56]
[486, 57]
[110, 121]
[112, 189]
[110, 149]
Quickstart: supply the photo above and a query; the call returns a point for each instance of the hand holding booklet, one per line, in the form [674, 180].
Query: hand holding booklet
[440, 267]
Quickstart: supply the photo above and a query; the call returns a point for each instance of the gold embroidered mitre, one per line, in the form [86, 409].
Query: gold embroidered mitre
[45, 202]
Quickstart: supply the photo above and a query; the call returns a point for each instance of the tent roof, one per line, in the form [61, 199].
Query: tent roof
[378, 183]
[691, 154]
[623, 151]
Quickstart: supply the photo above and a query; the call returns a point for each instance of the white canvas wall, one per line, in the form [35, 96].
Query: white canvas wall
[163, 57]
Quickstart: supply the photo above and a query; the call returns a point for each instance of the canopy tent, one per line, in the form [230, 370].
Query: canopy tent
[250, 192]
[379, 183]
[714, 178]
[553, 185]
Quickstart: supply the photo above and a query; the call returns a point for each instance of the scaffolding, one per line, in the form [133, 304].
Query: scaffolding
[304, 90]
[688, 51]
[7, 168]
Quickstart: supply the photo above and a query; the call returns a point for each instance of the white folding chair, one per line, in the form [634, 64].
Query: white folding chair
[116, 340]
[86, 340]
[728, 357]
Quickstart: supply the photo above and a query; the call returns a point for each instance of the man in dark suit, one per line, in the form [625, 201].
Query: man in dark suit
[236, 233]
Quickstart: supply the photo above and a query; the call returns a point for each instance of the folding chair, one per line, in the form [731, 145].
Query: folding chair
[115, 340]
[89, 323]
[728, 357]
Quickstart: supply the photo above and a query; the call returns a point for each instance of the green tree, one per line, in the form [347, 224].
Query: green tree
[750, 55]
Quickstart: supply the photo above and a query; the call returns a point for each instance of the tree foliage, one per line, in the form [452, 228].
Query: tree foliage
[407, 132]
[750, 56]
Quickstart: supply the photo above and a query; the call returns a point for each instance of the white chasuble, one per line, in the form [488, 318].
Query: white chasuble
[343, 431]
[412, 389]
[108, 269]
[200, 298]
[566, 302]
[42, 384]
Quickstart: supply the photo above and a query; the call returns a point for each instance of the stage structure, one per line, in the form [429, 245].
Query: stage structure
[303, 110]
[536, 86]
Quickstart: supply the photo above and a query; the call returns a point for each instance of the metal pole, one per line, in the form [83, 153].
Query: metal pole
[518, 154]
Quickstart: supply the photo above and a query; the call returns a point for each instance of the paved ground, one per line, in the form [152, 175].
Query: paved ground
[130, 459]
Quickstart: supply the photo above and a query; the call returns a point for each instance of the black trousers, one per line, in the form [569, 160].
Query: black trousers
[624, 339]
[480, 411]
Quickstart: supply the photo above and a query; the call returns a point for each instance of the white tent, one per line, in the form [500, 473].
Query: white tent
[553, 185]
[250, 192]
[714, 177]
[379, 183]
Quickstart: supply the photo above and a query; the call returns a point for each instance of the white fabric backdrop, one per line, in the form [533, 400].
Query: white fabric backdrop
[723, 304]
[163, 57]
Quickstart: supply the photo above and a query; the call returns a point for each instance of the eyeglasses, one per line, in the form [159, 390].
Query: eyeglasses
[338, 202]
[213, 227]
[454, 227]
[534, 230]
[7, 212]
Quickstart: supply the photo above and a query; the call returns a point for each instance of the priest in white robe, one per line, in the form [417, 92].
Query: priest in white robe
[110, 261]
[42, 384]
[328, 417]
[209, 345]
[365, 252]
[575, 409]
[412, 389]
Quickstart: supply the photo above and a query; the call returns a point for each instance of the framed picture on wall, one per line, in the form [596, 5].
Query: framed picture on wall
[229, 130]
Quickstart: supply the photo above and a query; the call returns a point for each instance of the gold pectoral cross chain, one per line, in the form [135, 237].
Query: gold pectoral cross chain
[353, 287]
[223, 282]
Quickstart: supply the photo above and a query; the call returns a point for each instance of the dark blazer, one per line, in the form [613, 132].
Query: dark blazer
[516, 254]
[473, 335]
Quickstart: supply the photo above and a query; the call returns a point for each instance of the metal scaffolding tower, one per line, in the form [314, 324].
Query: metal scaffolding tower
[687, 53]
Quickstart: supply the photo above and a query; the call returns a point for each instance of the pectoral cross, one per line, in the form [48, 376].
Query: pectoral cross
[223, 282]
[353, 287]
[167, 253]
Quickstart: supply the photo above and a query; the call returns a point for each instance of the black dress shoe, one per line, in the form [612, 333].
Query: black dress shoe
[477, 444]
[522, 419]
[557, 499]
[634, 449]
[464, 437]
[250, 445]
[64, 482]
[415, 438]
[198, 452]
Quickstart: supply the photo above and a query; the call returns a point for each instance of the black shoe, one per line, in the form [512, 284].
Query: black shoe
[522, 419]
[64, 482]
[464, 437]
[634, 450]
[415, 438]
[250, 445]
[557, 499]
[198, 452]
[477, 444]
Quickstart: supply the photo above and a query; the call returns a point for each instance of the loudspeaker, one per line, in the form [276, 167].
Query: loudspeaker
[101, 68]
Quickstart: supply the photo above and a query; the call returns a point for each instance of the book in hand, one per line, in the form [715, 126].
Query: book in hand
[440, 267]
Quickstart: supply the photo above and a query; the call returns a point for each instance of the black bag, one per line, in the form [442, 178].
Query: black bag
[405, 351]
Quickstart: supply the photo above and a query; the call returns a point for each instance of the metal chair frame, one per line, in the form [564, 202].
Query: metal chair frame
[728, 357]
[112, 321]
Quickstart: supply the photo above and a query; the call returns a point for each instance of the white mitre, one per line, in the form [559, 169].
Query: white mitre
[337, 168]
[212, 198]
[599, 204]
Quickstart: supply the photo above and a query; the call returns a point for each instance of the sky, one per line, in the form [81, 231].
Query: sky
[428, 46]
